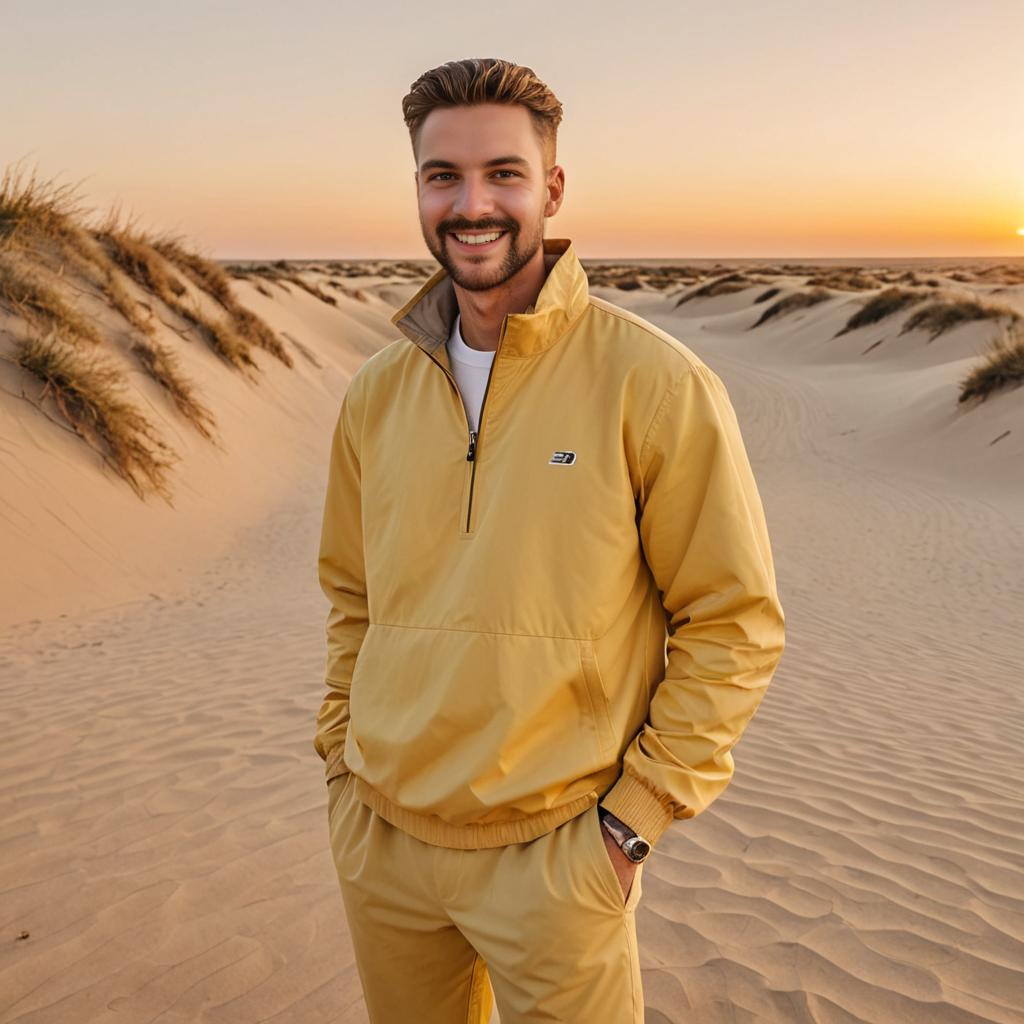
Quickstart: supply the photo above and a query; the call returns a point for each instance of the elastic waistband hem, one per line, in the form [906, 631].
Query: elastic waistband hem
[471, 837]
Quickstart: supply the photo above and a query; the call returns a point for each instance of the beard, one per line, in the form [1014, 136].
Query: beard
[519, 245]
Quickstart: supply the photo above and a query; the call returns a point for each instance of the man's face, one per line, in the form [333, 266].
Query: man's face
[481, 170]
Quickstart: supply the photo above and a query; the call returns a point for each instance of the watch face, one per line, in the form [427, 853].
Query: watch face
[636, 849]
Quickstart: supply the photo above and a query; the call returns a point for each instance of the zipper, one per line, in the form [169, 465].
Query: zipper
[474, 435]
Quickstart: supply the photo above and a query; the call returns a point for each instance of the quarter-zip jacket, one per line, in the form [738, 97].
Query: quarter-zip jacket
[575, 603]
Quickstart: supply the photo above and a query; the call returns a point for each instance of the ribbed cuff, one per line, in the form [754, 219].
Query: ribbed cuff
[636, 806]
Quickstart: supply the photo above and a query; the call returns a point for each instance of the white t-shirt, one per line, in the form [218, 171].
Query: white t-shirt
[471, 368]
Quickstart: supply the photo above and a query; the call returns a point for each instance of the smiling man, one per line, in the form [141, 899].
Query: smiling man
[482, 216]
[553, 601]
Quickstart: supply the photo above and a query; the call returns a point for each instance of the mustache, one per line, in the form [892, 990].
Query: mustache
[464, 228]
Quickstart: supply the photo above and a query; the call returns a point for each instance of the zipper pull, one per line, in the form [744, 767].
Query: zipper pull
[471, 454]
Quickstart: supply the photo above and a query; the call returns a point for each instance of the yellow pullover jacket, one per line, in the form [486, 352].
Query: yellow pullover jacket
[577, 604]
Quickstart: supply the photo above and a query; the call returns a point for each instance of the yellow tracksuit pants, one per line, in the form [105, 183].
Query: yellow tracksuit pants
[442, 934]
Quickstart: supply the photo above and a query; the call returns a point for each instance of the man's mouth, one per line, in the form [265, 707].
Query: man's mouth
[476, 241]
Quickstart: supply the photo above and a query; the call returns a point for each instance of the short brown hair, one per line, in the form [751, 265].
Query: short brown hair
[461, 83]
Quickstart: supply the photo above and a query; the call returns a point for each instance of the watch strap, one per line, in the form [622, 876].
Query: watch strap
[615, 827]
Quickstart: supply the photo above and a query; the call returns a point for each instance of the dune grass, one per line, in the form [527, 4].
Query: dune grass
[215, 280]
[353, 293]
[791, 303]
[1002, 273]
[41, 219]
[86, 391]
[212, 278]
[275, 278]
[1002, 367]
[910, 277]
[844, 281]
[631, 276]
[49, 258]
[279, 272]
[880, 306]
[41, 237]
[133, 252]
[35, 205]
[26, 292]
[129, 249]
[164, 367]
[259, 332]
[725, 285]
[313, 289]
[769, 293]
[943, 315]
[155, 263]
[209, 276]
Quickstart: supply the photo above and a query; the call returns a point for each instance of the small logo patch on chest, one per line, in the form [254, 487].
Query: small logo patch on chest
[562, 459]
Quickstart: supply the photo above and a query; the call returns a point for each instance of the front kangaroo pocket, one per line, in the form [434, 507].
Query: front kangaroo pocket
[474, 726]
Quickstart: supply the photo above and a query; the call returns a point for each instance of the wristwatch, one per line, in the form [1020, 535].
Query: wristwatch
[635, 847]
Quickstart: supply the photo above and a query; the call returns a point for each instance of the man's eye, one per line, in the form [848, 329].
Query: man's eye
[443, 174]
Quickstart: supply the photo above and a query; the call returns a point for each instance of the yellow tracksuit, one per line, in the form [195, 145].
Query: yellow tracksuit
[578, 604]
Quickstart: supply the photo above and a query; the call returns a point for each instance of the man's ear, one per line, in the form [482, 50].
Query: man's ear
[556, 190]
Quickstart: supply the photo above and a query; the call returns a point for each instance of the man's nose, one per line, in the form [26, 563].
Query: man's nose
[473, 200]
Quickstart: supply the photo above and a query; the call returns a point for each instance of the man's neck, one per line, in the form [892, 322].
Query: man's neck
[482, 313]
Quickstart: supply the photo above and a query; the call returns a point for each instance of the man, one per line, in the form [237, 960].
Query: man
[531, 493]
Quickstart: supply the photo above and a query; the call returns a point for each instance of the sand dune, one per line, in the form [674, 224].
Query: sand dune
[164, 841]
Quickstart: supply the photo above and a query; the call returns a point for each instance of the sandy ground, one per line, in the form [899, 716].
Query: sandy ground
[164, 835]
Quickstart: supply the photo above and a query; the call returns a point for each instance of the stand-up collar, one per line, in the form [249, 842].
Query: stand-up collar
[427, 318]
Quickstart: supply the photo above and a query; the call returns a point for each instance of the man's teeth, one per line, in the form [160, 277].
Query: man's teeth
[478, 239]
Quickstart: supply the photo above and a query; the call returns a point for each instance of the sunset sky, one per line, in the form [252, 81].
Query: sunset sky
[690, 130]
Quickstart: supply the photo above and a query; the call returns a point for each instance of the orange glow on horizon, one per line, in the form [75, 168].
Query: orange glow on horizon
[774, 138]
